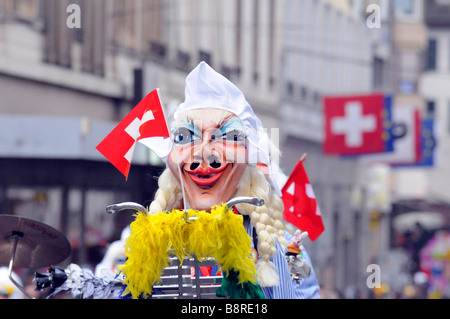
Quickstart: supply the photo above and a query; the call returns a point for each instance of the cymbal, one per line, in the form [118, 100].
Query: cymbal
[39, 245]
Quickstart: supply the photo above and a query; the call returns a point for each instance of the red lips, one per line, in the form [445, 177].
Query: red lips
[206, 177]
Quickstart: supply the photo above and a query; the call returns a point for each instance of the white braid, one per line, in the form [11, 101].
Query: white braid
[169, 194]
[276, 209]
[267, 221]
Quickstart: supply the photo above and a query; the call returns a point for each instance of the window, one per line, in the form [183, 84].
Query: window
[431, 106]
[316, 99]
[431, 54]
[182, 61]
[57, 37]
[378, 66]
[158, 50]
[227, 71]
[303, 93]
[290, 88]
[404, 7]
[408, 10]
[205, 56]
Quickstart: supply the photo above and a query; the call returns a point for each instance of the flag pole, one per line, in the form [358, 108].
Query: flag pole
[303, 158]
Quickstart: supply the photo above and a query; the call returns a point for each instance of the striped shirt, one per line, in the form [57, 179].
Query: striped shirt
[307, 288]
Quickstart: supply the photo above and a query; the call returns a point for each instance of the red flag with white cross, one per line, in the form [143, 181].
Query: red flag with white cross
[300, 205]
[354, 124]
[146, 120]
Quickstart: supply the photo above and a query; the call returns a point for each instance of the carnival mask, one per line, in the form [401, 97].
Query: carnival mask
[209, 155]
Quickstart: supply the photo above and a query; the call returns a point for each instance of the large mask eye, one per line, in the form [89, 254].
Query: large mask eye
[234, 136]
[231, 135]
[183, 135]
[232, 131]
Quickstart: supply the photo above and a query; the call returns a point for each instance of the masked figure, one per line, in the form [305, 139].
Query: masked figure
[218, 145]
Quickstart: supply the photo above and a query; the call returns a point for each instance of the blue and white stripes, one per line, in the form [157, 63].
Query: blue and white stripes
[287, 289]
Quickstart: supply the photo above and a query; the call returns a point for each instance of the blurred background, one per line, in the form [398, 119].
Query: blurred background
[64, 87]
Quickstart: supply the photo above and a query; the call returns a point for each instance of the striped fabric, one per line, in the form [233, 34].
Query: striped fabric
[306, 289]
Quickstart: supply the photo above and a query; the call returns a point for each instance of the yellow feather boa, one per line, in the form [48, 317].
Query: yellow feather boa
[219, 234]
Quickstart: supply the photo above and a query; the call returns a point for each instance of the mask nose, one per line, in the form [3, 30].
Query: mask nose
[214, 162]
[194, 166]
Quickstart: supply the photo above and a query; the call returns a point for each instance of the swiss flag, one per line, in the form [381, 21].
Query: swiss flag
[146, 120]
[354, 124]
[300, 205]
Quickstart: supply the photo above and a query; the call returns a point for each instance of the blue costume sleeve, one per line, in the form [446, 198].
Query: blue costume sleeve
[287, 289]
[307, 288]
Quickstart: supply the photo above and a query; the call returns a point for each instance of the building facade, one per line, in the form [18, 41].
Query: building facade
[434, 87]
[68, 87]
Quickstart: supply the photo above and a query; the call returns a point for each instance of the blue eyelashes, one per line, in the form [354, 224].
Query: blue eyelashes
[232, 131]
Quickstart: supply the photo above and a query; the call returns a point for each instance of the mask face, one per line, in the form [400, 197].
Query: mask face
[210, 150]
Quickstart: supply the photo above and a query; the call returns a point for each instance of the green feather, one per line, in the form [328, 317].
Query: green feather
[231, 288]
